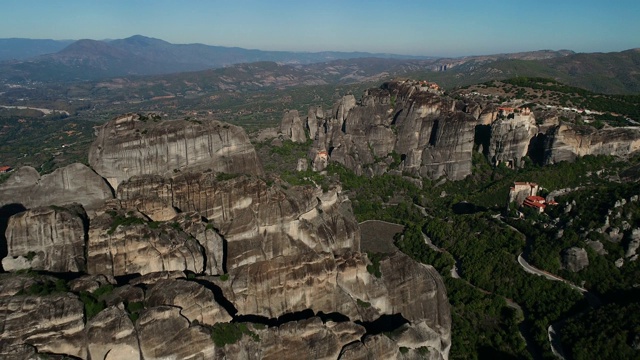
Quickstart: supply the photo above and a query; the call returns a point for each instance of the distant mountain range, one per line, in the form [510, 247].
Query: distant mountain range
[49, 60]
[22, 49]
[82, 60]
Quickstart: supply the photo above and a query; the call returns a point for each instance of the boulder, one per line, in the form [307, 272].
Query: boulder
[597, 246]
[72, 183]
[90, 283]
[574, 259]
[136, 144]
[124, 294]
[634, 244]
[47, 238]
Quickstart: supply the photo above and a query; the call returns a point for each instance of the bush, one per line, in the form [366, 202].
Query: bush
[92, 306]
[133, 309]
[230, 333]
[374, 267]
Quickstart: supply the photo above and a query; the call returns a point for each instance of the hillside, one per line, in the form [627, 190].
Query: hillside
[610, 73]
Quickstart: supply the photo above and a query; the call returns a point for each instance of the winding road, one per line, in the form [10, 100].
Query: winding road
[554, 338]
[534, 270]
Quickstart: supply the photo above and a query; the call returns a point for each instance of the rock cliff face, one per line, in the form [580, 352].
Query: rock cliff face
[196, 301]
[47, 238]
[304, 339]
[292, 127]
[123, 243]
[73, 183]
[111, 335]
[179, 339]
[258, 222]
[401, 127]
[51, 323]
[510, 139]
[135, 145]
[567, 142]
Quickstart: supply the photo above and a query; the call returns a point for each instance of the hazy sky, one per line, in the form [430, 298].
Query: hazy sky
[439, 28]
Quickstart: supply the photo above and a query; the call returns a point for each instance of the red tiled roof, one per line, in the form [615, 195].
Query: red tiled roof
[4, 168]
[533, 204]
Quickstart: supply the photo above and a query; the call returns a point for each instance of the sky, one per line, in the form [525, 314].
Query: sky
[410, 27]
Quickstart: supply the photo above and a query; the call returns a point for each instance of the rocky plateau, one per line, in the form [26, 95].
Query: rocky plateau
[192, 255]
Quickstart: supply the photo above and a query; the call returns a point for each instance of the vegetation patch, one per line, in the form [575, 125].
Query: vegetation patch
[230, 333]
[46, 287]
[133, 310]
[374, 267]
[123, 220]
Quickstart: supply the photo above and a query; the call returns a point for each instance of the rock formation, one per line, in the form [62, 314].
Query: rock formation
[53, 323]
[633, 246]
[111, 335]
[178, 338]
[575, 259]
[566, 142]
[510, 139]
[315, 116]
[137, 144]
[73, 183]
[193, 250]
[47, 238]
[305, 339]
[427, 133]
[196, 301]
[125, 243]
[258, 222]
[291, 127]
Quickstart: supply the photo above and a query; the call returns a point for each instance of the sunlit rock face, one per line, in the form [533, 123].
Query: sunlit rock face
[292, 127]
[75, 183]
[566, 142]
[122, 243]
[135, 145]
[53, 323]
[399, 127]
[47, 238]
[510, 139]
[258, 222]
